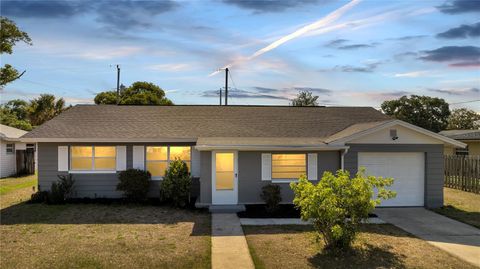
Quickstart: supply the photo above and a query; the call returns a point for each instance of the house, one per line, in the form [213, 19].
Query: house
[235, 150]
[469, 137]
[16, 157]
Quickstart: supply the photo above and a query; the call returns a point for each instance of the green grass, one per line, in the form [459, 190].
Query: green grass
[11, 184]
[462, 206]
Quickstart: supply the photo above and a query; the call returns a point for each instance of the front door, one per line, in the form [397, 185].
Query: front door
[224, 178]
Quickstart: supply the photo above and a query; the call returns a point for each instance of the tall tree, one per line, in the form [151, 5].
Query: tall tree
[15, 114]
[139, 93]
[305, 98]
[9, 36]
[45, 108]
[427, 112]
[463, 119]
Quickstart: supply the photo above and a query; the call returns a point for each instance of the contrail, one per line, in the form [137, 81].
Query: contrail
[313, 26]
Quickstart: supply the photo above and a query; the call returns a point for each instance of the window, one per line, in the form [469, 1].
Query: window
[462, 152]
[30, 147]
[93, 158]
[10, 148]
[288, 166]
[159, 157]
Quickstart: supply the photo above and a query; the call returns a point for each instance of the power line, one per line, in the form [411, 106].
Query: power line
[464, 102]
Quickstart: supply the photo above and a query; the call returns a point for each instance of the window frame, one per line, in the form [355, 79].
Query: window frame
[10, 148]
[462, 152]
[92, 169]
[168, 160]
[286, 180]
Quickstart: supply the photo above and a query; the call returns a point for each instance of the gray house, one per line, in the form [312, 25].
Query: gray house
[235, 150]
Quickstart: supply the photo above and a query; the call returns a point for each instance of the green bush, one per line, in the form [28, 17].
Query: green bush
[175, 186]
[271, 196]
[61, 190]
[39, 197]
[135, 184]
[336, 198]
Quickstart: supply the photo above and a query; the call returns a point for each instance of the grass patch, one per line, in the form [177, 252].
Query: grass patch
[10, 184]
[377, 246]
[462, 206]
[100, 236]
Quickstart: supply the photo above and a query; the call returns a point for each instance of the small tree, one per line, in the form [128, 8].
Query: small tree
[61, 190]
[271, 196]
[336, 198]
[175, 186]
[305, 98]
[135, 184]
[463, 119]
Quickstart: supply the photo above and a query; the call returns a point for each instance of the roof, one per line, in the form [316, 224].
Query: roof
[10, 133]
[99, 122]
[462, 134]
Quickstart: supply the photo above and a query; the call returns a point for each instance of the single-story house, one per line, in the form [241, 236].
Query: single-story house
[235, 150]
[16, 157]
[469, 137]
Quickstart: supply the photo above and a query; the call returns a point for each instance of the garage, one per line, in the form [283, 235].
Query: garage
[406, 168]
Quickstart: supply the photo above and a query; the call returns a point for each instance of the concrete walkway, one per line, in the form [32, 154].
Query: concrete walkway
[454, 237]
[229, 246]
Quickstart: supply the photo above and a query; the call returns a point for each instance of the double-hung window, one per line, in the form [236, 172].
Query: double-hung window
[10, 148]
[92, 158]
[288, 166]
[159, 157]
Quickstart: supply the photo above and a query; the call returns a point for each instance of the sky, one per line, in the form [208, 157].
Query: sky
[349, 53]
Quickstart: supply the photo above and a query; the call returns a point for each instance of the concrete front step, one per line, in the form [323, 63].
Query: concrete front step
[226, 208]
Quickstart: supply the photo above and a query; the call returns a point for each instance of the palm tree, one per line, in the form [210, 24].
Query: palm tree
[45, 108]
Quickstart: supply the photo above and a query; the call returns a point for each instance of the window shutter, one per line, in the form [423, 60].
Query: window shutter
[139, 157]
[312, 170]
[267, 166]
[62, 158]
[121, 158]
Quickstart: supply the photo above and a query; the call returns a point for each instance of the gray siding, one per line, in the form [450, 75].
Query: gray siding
[206, 177]
[250, 172]
[433, 165]
[86, 185]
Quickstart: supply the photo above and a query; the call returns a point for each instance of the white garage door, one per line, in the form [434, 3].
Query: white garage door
[406, 168]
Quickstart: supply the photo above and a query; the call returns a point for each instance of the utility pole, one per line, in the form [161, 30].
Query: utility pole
[220, 91]
[226, 86]
[118, 84]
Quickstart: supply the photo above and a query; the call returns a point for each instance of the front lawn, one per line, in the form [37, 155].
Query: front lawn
[462, 206]
[100, 236]
[10, 184]
[378, 246]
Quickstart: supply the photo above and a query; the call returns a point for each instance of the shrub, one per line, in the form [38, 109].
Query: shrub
[336, 198]
[175, 186]
[39, 197]
[135, 184]
[61, 190]
[271, 196]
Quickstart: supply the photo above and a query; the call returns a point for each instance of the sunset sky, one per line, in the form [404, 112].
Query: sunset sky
[361, 55]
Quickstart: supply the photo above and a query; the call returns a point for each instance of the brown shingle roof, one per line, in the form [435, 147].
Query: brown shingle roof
[146, 122]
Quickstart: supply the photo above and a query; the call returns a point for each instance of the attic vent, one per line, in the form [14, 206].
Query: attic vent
[393, 134]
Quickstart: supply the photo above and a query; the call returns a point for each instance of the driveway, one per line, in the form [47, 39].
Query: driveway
[457, 238]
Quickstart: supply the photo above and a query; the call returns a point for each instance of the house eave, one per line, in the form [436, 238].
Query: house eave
[270, 147]
[109, 140]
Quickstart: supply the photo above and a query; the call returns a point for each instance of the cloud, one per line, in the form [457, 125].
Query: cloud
[105, 53]
[407, 38]
[120, 15]
[265, 90]
[462, 31]
[413, 74]
[376, 96]
[243, 94]
[460, 6]
[457, 92]
[355, 46]
[457, 55]
[180, 67]
[367, 68]
[264, 6]
[42, 9]
[314, 90]
[340, 44]
[336, 42]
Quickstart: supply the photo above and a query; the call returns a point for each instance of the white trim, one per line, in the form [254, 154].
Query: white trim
[389, 124]
[284, 180]
[269, 148]
[63, 158]
[266, 167]
[342, 159]
[111, 140]
[91, 172]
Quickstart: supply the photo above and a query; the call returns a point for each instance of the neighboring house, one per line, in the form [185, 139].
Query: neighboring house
[235, 150]
[12, 149]
[469, 137]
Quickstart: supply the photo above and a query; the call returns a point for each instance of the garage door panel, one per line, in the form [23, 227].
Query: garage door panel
[406, 168]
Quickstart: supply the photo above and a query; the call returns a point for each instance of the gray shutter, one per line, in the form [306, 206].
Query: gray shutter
[139, 157]
[312, 171]
[121, 158]
[62, 158]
